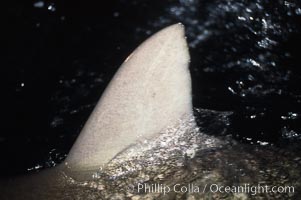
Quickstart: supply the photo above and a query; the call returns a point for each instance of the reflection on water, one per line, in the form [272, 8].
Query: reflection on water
[242, 62]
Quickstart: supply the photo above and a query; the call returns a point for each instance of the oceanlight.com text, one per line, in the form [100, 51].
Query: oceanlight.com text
[213, 188]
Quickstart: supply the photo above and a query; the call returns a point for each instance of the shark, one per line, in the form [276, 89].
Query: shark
[142, 142]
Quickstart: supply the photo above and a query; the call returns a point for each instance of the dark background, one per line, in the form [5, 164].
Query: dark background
[60, 55]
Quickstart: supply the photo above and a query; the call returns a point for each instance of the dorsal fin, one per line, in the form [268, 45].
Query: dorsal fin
[150, 91]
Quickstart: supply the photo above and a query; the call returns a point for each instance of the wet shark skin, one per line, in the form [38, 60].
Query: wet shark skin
[150, 91]
[183, 155]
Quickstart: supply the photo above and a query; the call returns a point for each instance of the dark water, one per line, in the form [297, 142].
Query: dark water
[60, 55]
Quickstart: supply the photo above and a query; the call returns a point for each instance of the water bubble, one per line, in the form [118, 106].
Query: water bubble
[248, 10]
[231, 90]
[289, 134]
[241, 18]
[264, 24]
[290, 116]
[266, 42]
[253, 62]
[116, 14]
[51, 8]
[57, 121]
[262, 143]
[298, 11]
[178, 11]
[39, 4]
[37, 167]
[253, 116]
